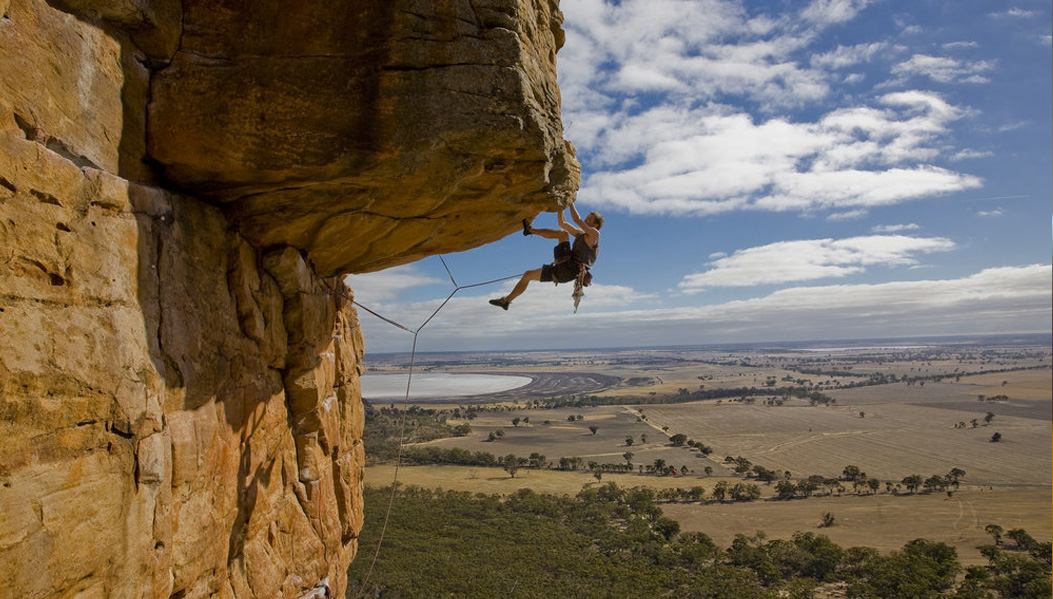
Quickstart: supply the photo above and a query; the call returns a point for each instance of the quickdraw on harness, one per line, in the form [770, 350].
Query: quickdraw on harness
[584, 280]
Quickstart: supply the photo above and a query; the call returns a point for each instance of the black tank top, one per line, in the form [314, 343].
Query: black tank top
[582, 252]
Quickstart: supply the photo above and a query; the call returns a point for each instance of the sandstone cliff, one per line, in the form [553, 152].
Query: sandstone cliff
[181, 185]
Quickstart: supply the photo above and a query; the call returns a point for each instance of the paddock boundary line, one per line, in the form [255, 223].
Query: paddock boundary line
[405, 401]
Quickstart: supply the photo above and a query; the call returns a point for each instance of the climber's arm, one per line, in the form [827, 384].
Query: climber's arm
[569, 228]
[592, 234]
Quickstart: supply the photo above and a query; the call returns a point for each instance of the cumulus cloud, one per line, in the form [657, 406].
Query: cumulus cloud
[805, 260]
[675, 160]
[996, 300]
[680, 107]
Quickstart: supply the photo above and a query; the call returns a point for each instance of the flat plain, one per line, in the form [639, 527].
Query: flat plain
[941, 413]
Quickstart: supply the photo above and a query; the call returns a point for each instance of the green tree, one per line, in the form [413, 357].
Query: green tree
[995, 438]
[659, 466]
[744, 492]
[678, 439]
[511, 464]
[515, 422]
[593, 428]
[1021, 537]
[628, 458]
[913, 482]
[785, 489]
[996, 532]
[922, 570]
[851, 472]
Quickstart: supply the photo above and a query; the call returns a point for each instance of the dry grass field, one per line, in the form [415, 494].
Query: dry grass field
[888, 431]
[891, 440]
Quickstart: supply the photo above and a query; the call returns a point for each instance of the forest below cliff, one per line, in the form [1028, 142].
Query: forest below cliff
[609, 541]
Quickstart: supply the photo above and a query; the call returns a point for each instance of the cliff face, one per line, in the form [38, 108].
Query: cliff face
[181, 183]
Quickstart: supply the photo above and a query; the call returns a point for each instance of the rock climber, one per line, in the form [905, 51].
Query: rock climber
[570, 261]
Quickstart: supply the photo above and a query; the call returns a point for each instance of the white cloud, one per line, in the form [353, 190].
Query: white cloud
[677, 160]
[848, 215]
[969, 154]
[827, 12]
[997, 300]
[1016, 13]
[648, 93]
[942, 69]
[991, 213]
[1013, 126]
[847, 56]
[805, 260]
[895, 228]
[388, 285]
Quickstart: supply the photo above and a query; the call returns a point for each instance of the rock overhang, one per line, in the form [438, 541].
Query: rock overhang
[368, 133]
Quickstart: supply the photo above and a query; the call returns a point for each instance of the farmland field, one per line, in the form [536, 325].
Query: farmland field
[940, 413]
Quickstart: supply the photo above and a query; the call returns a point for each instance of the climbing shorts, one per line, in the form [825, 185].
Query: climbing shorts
[563, 269]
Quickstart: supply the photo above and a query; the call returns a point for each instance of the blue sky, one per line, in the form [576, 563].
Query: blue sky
[778, 171]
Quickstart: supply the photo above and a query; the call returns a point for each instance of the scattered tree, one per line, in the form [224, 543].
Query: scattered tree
[851, 472]
[511, 464]
[1023, 540]
[996, 532]
[720, 491]
[913, 482]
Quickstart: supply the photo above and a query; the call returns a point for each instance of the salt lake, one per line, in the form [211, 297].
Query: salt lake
[438, 385]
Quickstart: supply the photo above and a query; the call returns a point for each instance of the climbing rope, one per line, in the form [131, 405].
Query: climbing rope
[405, 401]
